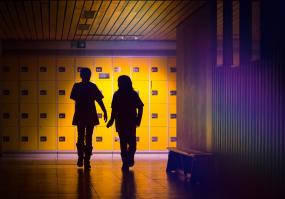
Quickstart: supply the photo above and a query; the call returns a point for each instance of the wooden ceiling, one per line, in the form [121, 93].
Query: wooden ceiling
[93, 20]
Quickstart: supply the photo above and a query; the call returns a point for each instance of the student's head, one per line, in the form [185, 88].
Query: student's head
[125, 83]
[85, 74]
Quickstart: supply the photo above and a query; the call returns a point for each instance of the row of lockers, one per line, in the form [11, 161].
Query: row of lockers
[62, 114]
[64, 138]
[103, 68]
[59, 91]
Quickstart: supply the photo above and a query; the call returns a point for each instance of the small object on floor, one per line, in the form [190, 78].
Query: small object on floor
[80, 162]
[125, 168]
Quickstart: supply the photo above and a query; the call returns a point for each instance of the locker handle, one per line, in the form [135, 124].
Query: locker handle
[43, 69]
[6, 138]
[136, 69]
[24, 69]
[6, 92]
[172, 116]
[154, 92]
[43, 138]
[154, 69]
[154, 115]
[6, 115]
[154, 139]
[25, 115]
[43, 115]
[117, 69]
[25, 139]
[173, 92]
[99, 69]
[6, 69]
[61, 139]
[99, 139]
[61, 69]
[117, 139]
[104, 76]
[62, 115]
[24, 92]
[173, 69]
[43, 92]
[61, 92]
[173, 139]
[137, 139]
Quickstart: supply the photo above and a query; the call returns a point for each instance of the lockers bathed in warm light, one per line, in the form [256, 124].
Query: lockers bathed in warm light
[36, 113]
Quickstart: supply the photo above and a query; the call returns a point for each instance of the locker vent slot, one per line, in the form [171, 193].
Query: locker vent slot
[6, 138]
[6, 92]
[154, 92]
[25, 138]
[136, 69]
[43, 138]
[61, 92]
[154, 69]
[24, 92]
[61, 138]
[154, 115]
[6, 115]
[25, 115]
[43, 69]
[173, 139]
[173, 69]
[99, 139]
[24, 69]
[43, 115]
[104, 76]
[99, 115]
[98, 69]
[172, 93]
[137, 139]
[61, 69]
[154, 139]
[117, 69]
[172, 116]
[117, 139]
[43, 92]
[62, 115]
[6, 69]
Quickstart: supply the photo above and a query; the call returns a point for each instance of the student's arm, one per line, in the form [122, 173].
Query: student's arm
[139, 117]
[101, 104]
[73, 94]
[111, 121]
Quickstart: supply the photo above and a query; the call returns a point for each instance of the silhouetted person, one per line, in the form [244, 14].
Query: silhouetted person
[85, 117]
[127, 110]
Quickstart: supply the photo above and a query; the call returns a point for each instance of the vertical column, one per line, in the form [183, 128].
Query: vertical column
[228, 33]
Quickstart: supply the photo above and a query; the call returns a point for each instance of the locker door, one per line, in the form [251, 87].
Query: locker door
[28, 68]
[121, 66]
[47, 115]
[47, 68]
[171, 68]
[9, 92]
[28, 138]
[28, 92]
[158, 138]
[103, 69]
[142, 88]
[106, 89]
[10, 138]
[46, 92]
[172, 137]
[143, 138]
[172, 92]
[9, 114]
[158, 92]
[116, 141]
[84, 62]
[63, 91]
[47, 138]
[158, 68]
[140, 68]
[65, 114]
[9, 68]
[158, 115]
[102, 138]
[172, 115]
[66, 138]
[65, 68]
[28, 115]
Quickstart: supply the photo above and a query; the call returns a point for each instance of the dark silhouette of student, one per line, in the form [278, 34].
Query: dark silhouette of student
[85, 117]
[127, 110]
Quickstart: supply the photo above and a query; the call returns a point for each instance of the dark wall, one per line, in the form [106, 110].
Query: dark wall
[195, 58]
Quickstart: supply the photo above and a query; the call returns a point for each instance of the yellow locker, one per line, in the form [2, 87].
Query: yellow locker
[28, 115]
[158, 138]
[103, 69]
[28, 68]
[9, 68]
[172, 115]
[65, 68]
[63, 91]
[121, 66]
[28, 138]
[47, 138]
[66, 138]
[101, 116]
[86, 62]
[145, 117]
[47, 115]
[116, 141]
[47, 68]
[171, 68]
[139, 68]
[143, 138]
[158, 115]
[102, 139]
[9, 92]
[65, 114]
[172, 137]
[142, 88]
[158, 92]
[9, 114]
[10, 138]
[172, 92]
[46, 92]
[28, 91]
[158, 68]
[106, 88]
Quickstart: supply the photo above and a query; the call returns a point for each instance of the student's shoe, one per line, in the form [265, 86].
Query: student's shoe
[80, 162]
[131, 162]
[87, 164]
[125, 168]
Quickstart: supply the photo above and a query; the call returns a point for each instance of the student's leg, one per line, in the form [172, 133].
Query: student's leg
[80, 144]
[132, 141]
[88, 147]
[124, 149]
